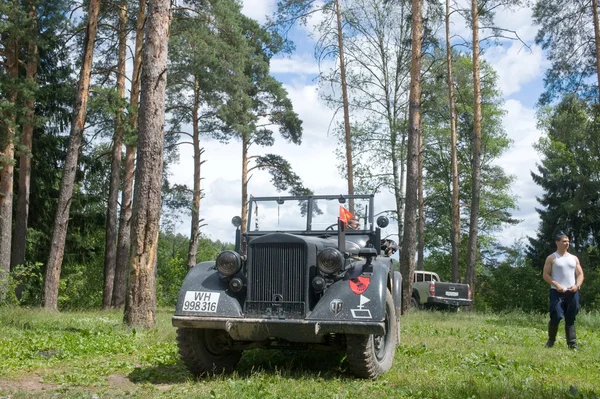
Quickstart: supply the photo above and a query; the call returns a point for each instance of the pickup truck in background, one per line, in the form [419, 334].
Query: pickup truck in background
[429, 292]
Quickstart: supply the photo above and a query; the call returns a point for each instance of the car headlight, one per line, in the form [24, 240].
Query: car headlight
[229, 263]
[330, 260]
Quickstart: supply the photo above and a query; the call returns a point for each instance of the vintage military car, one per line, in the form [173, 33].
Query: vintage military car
[298, 278]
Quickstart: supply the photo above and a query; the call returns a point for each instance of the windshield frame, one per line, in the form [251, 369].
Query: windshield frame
[367, 225]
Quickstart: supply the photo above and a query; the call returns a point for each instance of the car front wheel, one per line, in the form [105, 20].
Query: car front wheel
[369, 356]
[206, 351]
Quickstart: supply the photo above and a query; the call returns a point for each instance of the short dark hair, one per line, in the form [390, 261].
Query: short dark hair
[560, 235]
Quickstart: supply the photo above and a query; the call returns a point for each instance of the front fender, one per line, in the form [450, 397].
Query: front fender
[203, 282]
[340, 303]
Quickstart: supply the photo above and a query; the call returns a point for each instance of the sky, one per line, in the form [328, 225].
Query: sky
[520, 72]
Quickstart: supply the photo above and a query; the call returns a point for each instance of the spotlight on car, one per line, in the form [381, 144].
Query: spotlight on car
[318, 284]
[330, 260]
[229, 263]
[236, 221]
[383, 221]
[236, 284]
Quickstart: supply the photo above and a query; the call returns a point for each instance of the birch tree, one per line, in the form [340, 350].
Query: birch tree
[476, 156]
[455, 226]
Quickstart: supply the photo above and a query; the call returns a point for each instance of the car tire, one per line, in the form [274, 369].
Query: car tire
[206, 352]
[414, 304]
[369, 356]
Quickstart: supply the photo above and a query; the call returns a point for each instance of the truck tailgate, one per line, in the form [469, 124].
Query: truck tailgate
[451, 290]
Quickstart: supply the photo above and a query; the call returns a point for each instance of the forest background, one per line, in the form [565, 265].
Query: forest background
[225, 71]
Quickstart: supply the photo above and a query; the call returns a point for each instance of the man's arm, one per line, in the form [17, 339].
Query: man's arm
[548, 274]
[578, 277]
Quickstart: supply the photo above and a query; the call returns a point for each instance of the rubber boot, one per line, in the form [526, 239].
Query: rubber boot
[571, 336]
[552, 330]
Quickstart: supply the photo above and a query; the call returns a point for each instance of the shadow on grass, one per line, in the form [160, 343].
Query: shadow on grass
[287, 363]
[160, 374]
[294, 363]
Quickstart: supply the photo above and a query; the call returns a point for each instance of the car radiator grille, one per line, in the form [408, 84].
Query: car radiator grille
[277, 280]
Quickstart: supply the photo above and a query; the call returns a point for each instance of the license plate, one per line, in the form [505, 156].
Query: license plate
[450, 293]
[201, 301]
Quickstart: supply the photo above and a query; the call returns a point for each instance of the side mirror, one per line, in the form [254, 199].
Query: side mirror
[383, 221]
[236, 221]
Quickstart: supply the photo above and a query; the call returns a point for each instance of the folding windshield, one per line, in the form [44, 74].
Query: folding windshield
[310, 213]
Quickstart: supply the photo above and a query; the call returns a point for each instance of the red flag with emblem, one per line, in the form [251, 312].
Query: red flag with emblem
[345, 215]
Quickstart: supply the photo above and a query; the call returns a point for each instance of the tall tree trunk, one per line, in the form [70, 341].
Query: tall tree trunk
[7, 172]
[19, 242]
[476, 162]
[401, 197]
[421, 202]
[349, 164]
[195, 228]
[61, 221]
[140, 305]
[245, 147]
[407, 256]
[455, 229]
[124, 238]
[110, 250]
[597, 42]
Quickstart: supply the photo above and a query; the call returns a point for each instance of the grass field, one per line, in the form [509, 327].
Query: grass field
[442, 355]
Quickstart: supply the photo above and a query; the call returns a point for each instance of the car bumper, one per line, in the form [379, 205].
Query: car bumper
[296, 330]
[448, 301]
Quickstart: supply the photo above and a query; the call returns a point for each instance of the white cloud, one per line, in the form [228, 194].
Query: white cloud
[518, 21]
[296, 64]
[520, 160]
[516, 65]
[258, 9]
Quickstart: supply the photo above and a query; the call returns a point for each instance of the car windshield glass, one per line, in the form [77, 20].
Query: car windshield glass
[291, 214]
[272, 216]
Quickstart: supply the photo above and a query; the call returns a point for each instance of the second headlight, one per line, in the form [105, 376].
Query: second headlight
[330, 260]
[228, 263]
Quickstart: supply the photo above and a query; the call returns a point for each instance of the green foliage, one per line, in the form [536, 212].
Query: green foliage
[566, 32]
[569, 174]
[497, 201]
[26, 279]
[514, 285]
[172, 263]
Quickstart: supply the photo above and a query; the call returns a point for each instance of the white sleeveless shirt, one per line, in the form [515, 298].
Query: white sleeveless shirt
[563, 270]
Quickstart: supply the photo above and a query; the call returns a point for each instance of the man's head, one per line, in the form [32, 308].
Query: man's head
[562, 241]
[354, 223]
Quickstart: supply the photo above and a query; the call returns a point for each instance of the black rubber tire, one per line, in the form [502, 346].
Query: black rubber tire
[414, 304]
[205, 351]
[369, 356]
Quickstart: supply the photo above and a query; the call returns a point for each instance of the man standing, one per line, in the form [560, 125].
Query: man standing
[565, 276]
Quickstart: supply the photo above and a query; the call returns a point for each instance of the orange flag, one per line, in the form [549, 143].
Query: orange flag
[345, 215]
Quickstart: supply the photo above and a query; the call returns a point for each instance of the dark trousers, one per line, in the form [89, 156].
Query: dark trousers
[563, 305]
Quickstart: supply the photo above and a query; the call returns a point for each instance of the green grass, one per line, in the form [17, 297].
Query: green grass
[442, 355]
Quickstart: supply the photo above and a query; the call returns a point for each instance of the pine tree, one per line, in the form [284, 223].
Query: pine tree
[140, 305]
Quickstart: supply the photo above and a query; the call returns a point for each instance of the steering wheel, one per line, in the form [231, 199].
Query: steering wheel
[331, 227]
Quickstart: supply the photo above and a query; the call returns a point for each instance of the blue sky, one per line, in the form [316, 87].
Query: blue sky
[520, 73]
